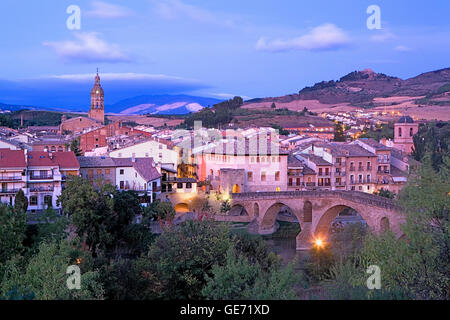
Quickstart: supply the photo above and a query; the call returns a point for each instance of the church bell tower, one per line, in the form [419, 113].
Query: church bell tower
[97, 111]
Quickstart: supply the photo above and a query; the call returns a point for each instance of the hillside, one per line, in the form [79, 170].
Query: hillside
[370, 90]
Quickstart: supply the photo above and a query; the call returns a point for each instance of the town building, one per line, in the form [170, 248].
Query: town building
[404, 131]
[41, 176]
[362, 165]
[232, 166]
[161, 150]
[128, 174]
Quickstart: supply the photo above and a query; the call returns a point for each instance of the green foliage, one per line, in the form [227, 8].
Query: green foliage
[225, 207]
[239, 279]
[280, 130]
[75, 147]
[101, 217]
[45, 274]
[50, 226]
[385, 193]
[179, 260]
[21, 202]
[273, 106]
[416, 267]
[162, 211]
[339, 132]
[13, 226]
[433, 138]
[379, 132]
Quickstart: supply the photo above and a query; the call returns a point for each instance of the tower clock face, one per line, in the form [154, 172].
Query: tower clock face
[96, 92]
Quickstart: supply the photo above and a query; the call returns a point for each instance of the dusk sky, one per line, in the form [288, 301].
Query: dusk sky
[211, 48]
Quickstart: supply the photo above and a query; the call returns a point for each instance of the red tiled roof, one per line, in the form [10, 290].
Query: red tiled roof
[39, 159]
[66, 160]
[44, 159]
[12, 158]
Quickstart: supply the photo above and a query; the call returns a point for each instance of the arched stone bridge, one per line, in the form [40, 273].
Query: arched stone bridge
[316, 210]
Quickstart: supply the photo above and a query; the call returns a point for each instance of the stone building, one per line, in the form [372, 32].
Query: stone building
[404, 130]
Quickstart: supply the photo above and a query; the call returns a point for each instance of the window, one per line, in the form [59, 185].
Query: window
[399, 132]
[122, 171]
[250, 176]
[99, 171]
[411, 132]
[179, 185]
[263, 176]
[33, 201]
[188, 185]
[107, 171]
[48, 200]
[290, 181]
[360, 188]
[122, 185]
[277, 176]
[298, 181]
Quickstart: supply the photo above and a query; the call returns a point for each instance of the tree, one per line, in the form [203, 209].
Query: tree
[417, 266]
[433, 138]
[177, 263]
[90, 211]
[75, 147]
[225, 207]
[273, 106]
[13, 226]
[238, 279]
[339, 132]
[21, 202]
[45, 274]
[163, 212]
[385, 193]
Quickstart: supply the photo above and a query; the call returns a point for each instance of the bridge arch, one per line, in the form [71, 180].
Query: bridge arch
[267, 224]
[238, 210]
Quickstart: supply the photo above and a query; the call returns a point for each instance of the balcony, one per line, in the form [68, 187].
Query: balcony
[41, 177]
[324, 174]
[360, 168]
[8, 179]
[352, 168]
[9, 191]
[310, 184]
[369, 168]
[340, 174]
[42, 189]
[384, 171]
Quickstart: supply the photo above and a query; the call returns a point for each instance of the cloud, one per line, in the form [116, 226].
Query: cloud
[88, 48]
[104, 10]
[72, 90]
[402, 48]
[383, 36]
[178, 10]
[321, 38]
[229, 96]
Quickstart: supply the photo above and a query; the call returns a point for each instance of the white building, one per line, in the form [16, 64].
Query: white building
[162, 151]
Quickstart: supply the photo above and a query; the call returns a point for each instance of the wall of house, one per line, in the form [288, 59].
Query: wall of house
[149, 149]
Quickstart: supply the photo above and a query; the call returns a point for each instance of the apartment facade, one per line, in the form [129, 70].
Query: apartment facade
[232, 168]
[362, 165]
[41, 176]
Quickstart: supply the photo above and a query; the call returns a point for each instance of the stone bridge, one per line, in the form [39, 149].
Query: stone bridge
[316, 210]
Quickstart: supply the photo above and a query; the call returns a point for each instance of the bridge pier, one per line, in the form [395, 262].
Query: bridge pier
[305, 238]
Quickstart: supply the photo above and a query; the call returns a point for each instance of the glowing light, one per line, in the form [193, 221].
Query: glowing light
[319, 243]
[78, 261]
